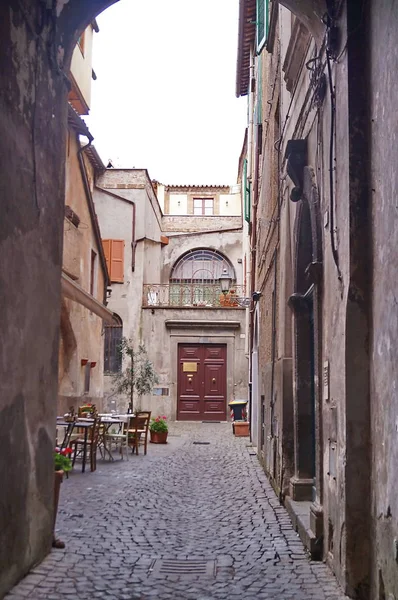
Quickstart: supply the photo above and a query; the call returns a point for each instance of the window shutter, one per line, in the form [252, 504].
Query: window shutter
[117, 261]
[106, 244]
[261, 23]
[259, 89]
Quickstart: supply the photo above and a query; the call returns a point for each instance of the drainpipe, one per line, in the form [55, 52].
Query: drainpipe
[92, 211]
[250, 133]
[250, 118]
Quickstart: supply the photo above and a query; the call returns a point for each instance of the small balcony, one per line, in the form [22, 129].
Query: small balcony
[191, 295]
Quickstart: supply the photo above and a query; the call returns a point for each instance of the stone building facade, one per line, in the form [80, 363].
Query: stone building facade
[322, 358]
[84, 270]
[167, 295]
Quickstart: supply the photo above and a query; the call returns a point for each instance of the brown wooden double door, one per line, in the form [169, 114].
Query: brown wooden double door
[202, 382]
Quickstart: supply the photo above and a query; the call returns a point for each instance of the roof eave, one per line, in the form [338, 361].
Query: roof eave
[246, 37]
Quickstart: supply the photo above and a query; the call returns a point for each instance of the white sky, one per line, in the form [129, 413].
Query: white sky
[165, 98]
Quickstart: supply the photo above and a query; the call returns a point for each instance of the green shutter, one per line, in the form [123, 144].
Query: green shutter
[246, 191]
[261, 23]
[259, 89]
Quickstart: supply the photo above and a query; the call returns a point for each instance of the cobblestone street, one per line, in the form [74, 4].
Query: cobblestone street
[187, 521]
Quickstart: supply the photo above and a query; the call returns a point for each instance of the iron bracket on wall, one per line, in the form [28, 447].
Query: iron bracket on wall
[296, 156]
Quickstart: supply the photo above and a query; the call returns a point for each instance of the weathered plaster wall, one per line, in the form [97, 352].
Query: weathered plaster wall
[32, 198]
[128, 189]
[114, 194]
[32, 132]
[229, 243]
[86, 327]
[384, 365]
[192, 223]
[82, 65]
[341, 422]
[163, 343]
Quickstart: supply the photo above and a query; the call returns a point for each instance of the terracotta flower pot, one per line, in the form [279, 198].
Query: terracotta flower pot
[241, 428]
[159, 437]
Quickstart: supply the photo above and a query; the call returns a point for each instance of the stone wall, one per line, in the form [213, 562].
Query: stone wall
[35, 51]
[193, 223]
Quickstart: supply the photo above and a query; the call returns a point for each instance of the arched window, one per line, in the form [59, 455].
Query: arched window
[194, 280]
[112, 354]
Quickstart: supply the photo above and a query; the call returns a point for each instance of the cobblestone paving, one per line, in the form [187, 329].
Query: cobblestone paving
[184, 502]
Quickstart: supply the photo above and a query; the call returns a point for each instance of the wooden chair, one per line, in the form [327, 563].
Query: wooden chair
[92, 445]
[119, 437]
[138, 430]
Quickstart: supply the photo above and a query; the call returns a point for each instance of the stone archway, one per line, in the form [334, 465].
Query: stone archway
[307, 482]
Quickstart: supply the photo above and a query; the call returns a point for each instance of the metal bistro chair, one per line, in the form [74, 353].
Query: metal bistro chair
[138, 431]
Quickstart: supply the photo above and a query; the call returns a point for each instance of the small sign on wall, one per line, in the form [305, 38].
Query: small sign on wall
[325, 377]
[190, 367]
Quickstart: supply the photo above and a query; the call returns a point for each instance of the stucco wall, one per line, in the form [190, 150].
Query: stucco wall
[82, 64]
[85, 339]
[194, 223]
[384, 365]
[162, 343]
[229, 243]
[153, 264]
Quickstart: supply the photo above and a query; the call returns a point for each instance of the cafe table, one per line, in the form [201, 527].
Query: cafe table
[81, 423]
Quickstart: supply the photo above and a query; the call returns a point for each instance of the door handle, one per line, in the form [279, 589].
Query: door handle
[213, 380]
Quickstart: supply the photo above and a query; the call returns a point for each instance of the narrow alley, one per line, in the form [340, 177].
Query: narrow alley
[194, 519]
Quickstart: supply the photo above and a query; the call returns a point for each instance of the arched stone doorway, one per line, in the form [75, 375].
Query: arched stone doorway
[307, 482]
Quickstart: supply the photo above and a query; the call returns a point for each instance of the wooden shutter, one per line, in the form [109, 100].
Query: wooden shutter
[106, 244]
[259, 90]
[261, 23]
[117, 261]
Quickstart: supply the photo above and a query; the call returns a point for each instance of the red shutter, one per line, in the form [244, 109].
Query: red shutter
[106, 244]
[117, 261]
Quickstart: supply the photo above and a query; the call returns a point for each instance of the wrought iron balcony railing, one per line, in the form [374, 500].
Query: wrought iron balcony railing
[191, 295]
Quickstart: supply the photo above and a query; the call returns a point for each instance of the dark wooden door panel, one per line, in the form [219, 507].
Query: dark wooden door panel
[201, 382]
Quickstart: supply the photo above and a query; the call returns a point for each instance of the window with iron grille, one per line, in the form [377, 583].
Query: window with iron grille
[112, 354]
[195, 277]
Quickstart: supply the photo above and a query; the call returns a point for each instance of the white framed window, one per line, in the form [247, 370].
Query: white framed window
[203, 206]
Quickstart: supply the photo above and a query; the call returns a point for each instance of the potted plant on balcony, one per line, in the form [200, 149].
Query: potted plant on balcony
[159, 430]
[139, 375]
[62, 465]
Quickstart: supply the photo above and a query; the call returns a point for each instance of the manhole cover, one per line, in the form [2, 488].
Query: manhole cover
[163, 567]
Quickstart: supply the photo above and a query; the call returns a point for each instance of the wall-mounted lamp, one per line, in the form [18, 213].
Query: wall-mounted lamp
[225, 281]
[92, 364]
[83, 362]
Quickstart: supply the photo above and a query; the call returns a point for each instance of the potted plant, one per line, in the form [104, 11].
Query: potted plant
[62, 464]
[139, 375]
[158, 430]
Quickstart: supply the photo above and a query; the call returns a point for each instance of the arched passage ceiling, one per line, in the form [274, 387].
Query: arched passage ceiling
[73, 16]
